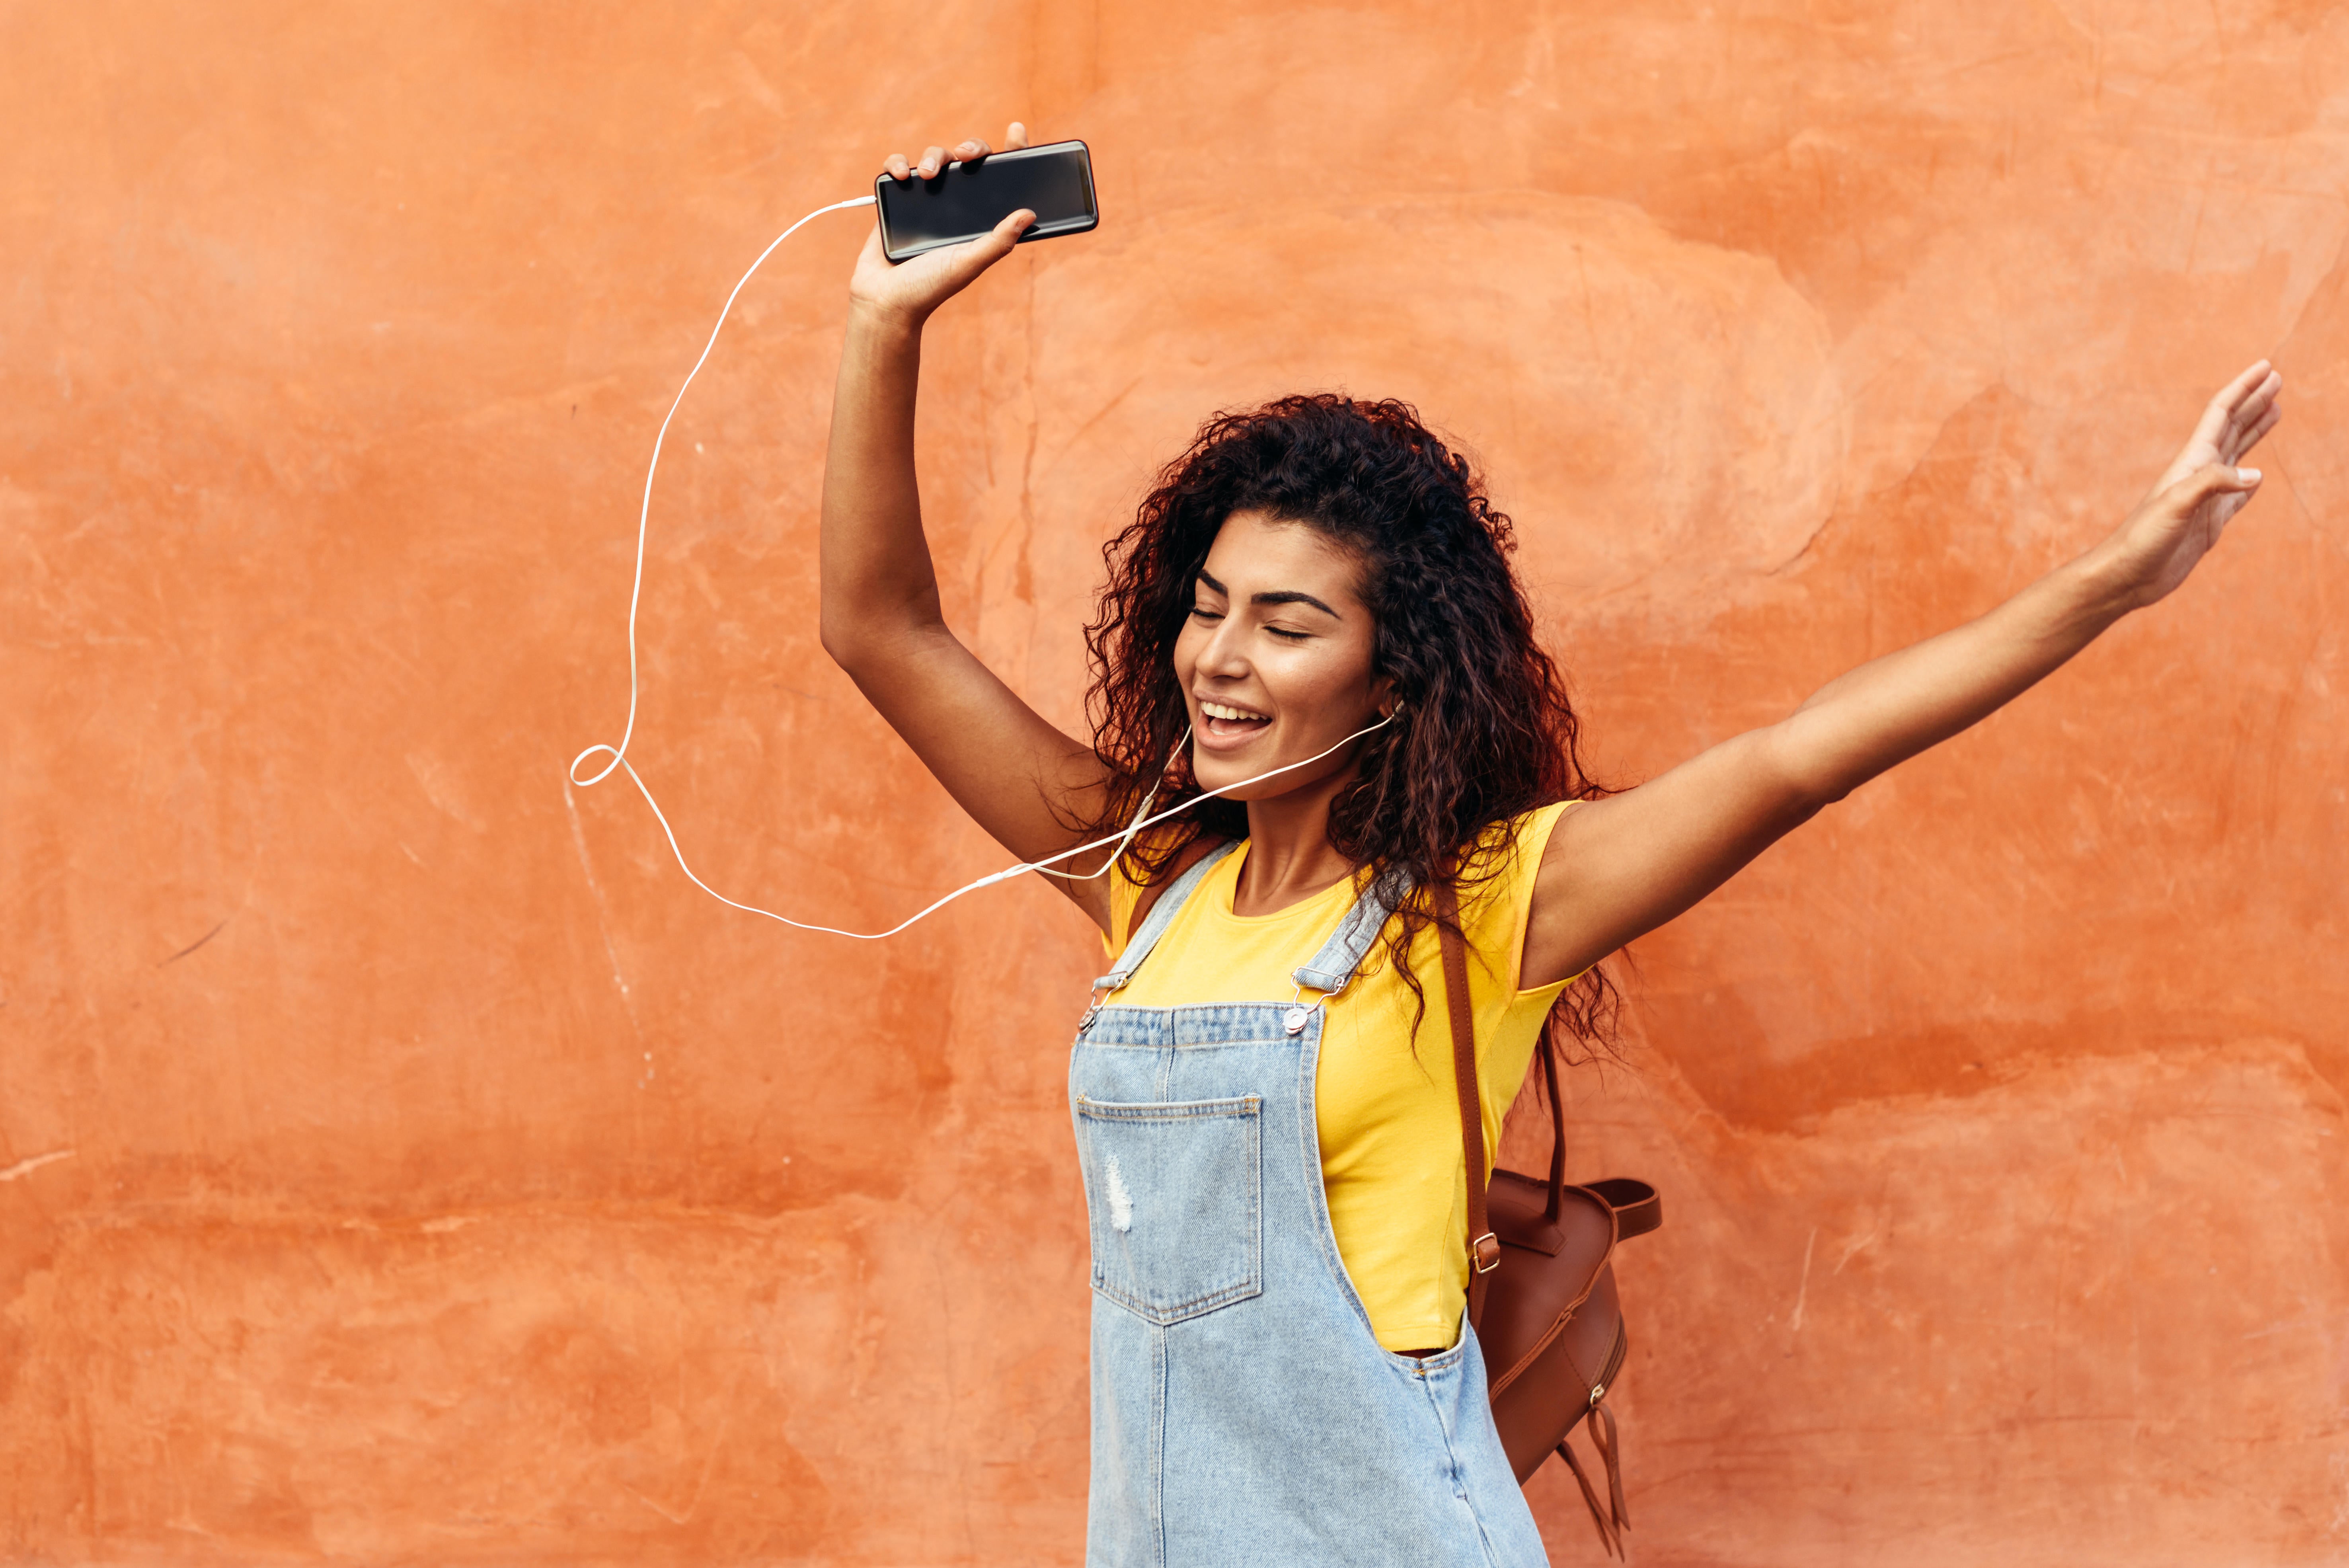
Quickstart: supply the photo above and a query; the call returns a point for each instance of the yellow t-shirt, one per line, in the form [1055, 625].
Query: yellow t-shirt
[1387, 1111]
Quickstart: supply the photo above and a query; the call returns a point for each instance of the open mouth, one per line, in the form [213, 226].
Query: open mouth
[1224, 721]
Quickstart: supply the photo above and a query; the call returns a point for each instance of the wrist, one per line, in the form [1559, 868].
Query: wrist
[2105, 581]
[885, 324]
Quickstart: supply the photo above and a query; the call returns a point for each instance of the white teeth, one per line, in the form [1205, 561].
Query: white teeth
[1218, 711]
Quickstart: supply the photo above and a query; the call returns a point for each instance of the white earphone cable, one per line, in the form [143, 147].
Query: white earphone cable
[620, 753]
[1121, 839]
[644, 511]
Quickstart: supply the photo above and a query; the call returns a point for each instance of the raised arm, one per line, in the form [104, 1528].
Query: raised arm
[1022, 779]
[1621, 867]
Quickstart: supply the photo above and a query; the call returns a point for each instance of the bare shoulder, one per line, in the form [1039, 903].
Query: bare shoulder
[1556, 937]
[1500, 881]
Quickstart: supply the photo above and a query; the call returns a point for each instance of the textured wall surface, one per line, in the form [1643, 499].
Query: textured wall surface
[400, 1163]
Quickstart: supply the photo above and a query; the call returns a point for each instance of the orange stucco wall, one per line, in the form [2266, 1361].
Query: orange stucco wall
[400, 1163]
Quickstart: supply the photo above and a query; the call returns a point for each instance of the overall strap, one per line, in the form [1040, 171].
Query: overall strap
[1334, 965]
[1160, 902]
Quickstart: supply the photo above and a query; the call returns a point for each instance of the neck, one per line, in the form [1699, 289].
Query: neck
[1290, 857]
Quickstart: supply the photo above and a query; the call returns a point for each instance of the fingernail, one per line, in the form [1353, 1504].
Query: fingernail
[2247, 475]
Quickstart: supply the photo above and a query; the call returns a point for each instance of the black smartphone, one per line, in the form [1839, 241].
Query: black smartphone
[964, 201]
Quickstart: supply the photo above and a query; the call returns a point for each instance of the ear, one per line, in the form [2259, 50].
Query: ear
[1384, 697]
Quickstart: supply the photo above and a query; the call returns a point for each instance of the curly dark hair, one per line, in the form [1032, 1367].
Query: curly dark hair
[1488, 733]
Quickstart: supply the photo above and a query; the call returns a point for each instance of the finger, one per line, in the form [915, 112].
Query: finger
[2254, 403]
[933, 160]
[2249, 434]
[2241, 387]
[2250, 438]
[997, 243]
[2221, 409]
[1005, 235]
[898, 167]
[967, 260]
[2219, 479]
[1016, 138]
[2211, 428]
[2261, 399]
[2188, 499]
[970, 150]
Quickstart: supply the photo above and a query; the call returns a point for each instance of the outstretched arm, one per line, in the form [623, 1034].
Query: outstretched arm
[1621, 867]
[1018, 776]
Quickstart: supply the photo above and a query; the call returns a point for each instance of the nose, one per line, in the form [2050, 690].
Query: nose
[1225, 655]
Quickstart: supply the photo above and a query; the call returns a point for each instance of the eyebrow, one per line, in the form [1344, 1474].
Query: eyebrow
[1285, 597]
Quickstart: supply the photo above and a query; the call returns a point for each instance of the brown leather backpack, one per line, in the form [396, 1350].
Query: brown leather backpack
[1541, 1288]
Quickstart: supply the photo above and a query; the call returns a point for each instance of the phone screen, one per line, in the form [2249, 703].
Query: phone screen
[966, 200]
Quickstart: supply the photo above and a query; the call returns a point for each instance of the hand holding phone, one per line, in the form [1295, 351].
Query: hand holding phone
[949, 215]
[940, 204]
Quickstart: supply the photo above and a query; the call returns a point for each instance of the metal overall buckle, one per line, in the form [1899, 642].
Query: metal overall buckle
[1301, 1012]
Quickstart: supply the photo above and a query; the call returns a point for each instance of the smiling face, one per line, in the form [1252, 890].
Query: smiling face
[1275, 658]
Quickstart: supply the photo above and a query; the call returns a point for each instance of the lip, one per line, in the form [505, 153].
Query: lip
[1211, 734]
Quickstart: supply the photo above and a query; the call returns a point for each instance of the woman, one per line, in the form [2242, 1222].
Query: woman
[1319, 591]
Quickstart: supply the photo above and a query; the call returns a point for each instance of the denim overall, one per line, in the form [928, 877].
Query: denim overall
[1243, 1415]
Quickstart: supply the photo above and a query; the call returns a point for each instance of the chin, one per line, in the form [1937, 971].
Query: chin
[1223, 772]
[1220, 772]
[1215, 776]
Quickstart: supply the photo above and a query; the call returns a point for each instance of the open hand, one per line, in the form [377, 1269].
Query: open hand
[909, 291]
[2203, 488]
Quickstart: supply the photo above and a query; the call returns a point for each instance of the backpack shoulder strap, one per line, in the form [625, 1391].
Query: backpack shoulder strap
[1484, 1247]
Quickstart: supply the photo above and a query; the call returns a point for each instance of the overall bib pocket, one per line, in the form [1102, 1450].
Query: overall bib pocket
[1175, 1196]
